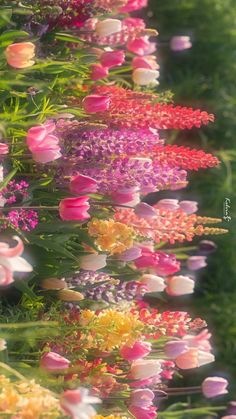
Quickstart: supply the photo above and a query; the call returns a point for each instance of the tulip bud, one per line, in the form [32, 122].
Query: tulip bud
[70, 295]
[180, 285]
[111, 59]
[53, 284]
[196, 262]
[189, 206]
[145, 76]
[168, 204]
[74, 208]
[214, 386]
[207, 246]
[145, 368]
[193, 358]
[51, 361]
[148, 62]
[98, 72]
[3, 344]
[130, 254]
[107, 27]
[20, 55]
[142, 397]
[4, 149]
[175, 347]
[144, 210]
[180, 43]
[153, 283]
[80, 184]
[96, 103]
[93, 262]
[137, 351]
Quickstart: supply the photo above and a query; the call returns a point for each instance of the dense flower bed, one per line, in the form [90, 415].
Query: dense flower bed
[82, 255]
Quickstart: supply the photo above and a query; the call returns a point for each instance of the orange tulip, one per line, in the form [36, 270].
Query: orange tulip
[20, 55]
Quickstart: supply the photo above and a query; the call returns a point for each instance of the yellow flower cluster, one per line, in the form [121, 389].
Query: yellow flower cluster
[111, 236]
[27, 400]
[111, 328]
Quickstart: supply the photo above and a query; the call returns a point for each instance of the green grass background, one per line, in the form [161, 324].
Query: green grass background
[205, 76]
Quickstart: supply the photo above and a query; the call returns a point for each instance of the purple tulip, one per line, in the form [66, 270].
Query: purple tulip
[196, 262]
[144, 210]
[214, 386]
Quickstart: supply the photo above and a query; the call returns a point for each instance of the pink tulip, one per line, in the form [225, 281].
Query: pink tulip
[127, 196]
[200, 341]
[145, 76]
[107, 27]
[43, 145]
[130, 254]
[196, 262]
[148, 61]
[98, 72]
[141, 46]
[189, 206]
[137, 351]
[153, 283]
[51, 361]
[167, 264]
[143, 369]
[93, 262]
[180, 285]
[193, 358]
[20, 55]
[4, 149]
[74, 208]
[77, 403]
[143, 412]
[96, 103]
[11, 261]
[168, 204]
[80, 184]
[142, 397]
[133, 5]
[214, 386]
[174, 348]
[111, 59]
[144, 210]
[180, 43]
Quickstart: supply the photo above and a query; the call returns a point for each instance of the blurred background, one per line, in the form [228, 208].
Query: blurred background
[205, 76]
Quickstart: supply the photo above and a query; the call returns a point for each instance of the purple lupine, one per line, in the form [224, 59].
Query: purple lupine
[101, 287]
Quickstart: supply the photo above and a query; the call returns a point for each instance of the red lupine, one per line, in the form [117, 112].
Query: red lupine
[140, 110]
[184, 157]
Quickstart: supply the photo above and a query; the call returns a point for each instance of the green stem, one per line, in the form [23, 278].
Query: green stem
[12, 371]
[28, 324]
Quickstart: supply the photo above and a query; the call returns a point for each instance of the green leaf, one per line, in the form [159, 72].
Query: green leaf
[9, 36]
[7, 179]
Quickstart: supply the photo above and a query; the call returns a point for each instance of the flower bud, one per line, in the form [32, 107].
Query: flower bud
[4, 149]
[193, 358]
[93, 262]
[74, 208]
[168, 204]
[207, 246]
[153, 283]
[96, 103]
[214, 386]
[180, 43]
[51, 361]
[196, 262]
[144, 210]
[53, 284]
[145, 368]
[137, 351]
[20, 55]
[180, 285]
[175, 347]
[70, 295]
[107, 27]
[111, 59]
[98, 72]
[145, 76]
[80, 184]
[189, 206]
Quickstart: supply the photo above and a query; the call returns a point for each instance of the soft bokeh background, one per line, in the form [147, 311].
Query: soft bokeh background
[205, 76]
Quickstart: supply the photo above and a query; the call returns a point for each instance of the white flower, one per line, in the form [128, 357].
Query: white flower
[107, 27]
[145, 76]
[77, 403]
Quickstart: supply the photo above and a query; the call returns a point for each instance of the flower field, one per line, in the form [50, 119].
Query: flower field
[101, 242]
